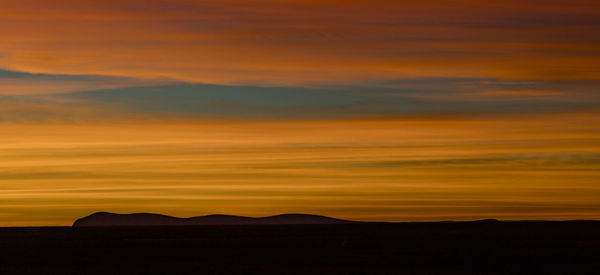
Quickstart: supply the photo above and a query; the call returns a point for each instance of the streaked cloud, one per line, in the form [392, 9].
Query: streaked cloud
[523, 93]
[403, 169]
[23, 83]
[291, 43]
[371, 110]
[410, 97]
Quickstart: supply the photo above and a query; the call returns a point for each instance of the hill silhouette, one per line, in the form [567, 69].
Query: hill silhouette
[149, 219]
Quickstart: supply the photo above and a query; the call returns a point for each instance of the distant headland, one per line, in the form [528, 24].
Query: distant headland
[150, 219]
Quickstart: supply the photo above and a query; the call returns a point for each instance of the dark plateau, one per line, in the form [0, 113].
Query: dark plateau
[484, 247]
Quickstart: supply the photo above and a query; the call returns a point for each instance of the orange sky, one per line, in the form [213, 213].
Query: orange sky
[394, 170]
[370, 110]
[302, 42]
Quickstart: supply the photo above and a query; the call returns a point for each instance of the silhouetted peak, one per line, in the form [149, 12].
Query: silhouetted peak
[487, 221]
[150, 219]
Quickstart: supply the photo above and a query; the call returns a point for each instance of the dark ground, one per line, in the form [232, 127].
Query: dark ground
[414, 248]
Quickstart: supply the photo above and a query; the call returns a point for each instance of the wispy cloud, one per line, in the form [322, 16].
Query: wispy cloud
[383, 110]
[290, 43]
[409, 97]
[24, 83]
[396, 169]
[534, 93]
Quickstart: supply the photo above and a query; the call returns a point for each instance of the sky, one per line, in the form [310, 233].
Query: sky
[368, 110]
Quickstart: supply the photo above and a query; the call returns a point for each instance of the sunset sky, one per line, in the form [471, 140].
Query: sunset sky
[374, 110]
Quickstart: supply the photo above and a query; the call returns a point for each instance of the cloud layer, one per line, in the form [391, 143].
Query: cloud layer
[290, 42]
[367, 110]
[395, 170]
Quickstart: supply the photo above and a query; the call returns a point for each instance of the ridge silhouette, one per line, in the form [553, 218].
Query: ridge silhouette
[150, 219]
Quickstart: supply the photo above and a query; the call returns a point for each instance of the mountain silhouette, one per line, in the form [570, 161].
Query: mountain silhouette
[149, 219]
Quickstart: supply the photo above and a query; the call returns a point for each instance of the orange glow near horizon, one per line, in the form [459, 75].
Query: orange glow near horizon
[373, 110]
[382, 170]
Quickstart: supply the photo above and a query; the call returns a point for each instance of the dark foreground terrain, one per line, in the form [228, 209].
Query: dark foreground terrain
[413, 248]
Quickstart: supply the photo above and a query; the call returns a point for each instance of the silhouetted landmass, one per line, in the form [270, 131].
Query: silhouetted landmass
[149, 219]
[479, 247]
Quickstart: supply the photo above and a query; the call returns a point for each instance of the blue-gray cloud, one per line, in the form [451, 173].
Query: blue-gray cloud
[25, 83]
[433, 96]
[418, 96]
[8, 74]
